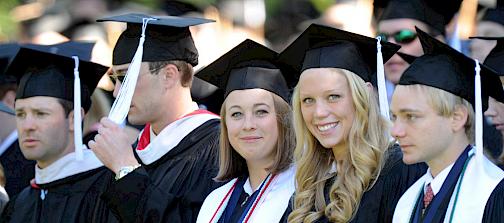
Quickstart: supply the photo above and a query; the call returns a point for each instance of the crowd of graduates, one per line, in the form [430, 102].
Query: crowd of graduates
[334, 127]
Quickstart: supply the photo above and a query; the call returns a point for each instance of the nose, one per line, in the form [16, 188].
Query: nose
[249, 123]
[321, 110]
[397, 131]
[117, 87]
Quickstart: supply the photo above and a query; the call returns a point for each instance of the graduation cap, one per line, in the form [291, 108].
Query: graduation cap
[166, 38]
[325, 47]
[495, 58]
[249, 65]
[445, 68]
[44, 74]
[436, 14]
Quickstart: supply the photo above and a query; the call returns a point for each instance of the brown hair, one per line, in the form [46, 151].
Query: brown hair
[232, 165]
[186, 69]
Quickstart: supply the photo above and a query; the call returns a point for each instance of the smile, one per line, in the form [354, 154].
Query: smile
[326, 127]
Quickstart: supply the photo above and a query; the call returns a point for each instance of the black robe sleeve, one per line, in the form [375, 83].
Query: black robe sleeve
[173, 188]
[494, 209]
[18, 170]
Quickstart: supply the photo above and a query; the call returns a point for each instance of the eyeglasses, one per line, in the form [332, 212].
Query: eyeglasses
[117, 77]
[402, 36]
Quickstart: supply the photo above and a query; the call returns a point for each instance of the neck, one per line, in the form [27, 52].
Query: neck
[45, 162]
[340, 152]
[257, 174]
[449, 155]
[178, 103]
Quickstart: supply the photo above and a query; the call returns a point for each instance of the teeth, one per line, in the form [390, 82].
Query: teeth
[326, 127]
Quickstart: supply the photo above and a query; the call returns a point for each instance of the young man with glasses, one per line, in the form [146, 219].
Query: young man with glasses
[396, 24]
[166, 176]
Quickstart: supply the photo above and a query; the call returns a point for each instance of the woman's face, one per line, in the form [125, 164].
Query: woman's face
[326, 105]
[252, 124]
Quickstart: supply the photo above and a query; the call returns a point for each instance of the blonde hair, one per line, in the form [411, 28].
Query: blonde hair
[445, 104]
[232, 165]
[367, 140]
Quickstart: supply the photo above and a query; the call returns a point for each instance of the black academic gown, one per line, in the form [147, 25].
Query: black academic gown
[18, 170]
[378, 204]
[72, 199]
[173, 188]
[494, 209]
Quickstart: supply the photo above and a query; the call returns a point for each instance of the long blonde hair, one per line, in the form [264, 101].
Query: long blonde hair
[367, 140]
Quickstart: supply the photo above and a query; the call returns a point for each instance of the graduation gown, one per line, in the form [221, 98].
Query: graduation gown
[377, 204]
[479, 180]
[65, 191]
[494, 209]
[270, 207]
[176, 175]
[17, 169]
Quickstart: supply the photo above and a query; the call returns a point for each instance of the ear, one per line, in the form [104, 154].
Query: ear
[71, 119]
[369, 86]
[459, 118]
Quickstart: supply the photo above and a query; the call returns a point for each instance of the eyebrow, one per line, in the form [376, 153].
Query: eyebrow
[339, 91]
[407, 110]
[255, 105]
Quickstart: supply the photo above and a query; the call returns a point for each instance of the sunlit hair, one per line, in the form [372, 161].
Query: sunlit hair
[367, 140]
[232, 165]
[445, 104]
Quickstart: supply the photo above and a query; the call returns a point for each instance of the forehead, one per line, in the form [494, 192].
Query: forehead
[317, 80]
[249, 97]
[124, 67]
[408, 97]
[37, 102]
[393, 25]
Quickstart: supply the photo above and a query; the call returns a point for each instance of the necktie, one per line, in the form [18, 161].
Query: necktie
[429, 195]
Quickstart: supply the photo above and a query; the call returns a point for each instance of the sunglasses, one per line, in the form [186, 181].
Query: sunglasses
[117, 77]
[402, 36]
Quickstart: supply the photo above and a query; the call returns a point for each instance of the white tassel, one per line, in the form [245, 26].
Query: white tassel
[77, 112]
[122, 103]
[382, 89]
[478, 112]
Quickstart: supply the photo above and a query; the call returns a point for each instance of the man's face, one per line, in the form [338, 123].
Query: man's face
[43, 129]
[395, 67]
[422, 133]
[495, 113]
[145, 103]
[481, 48]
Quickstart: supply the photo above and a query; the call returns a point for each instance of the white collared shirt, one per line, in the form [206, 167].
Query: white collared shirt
[437, 182]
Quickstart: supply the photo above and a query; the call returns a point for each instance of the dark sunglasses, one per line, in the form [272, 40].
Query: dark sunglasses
[402, 36]
[114, 78]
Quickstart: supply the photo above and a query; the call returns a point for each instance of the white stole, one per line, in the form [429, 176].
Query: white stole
[171, 136]
[478, 183]
[67, 166]
[270, 208]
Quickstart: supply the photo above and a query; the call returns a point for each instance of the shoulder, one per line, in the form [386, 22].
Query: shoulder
[214, 200]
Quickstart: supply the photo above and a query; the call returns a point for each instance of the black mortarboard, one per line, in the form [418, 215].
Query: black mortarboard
[246, 66]
[495, 58]
[178, 8]
[45, 74]
[445, 68]
[436, 14]
[323, 47]
[167, 38]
